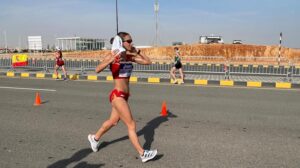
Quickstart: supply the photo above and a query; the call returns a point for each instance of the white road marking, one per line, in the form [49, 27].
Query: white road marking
[35, 89]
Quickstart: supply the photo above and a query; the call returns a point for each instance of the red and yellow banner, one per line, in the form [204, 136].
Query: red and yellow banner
[19, 60]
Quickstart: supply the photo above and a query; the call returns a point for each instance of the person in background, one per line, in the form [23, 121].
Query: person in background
[59, 62]
[177, 66]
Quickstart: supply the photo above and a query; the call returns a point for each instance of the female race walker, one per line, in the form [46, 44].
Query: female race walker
[59, 62]
[177, 66]
[120, 61]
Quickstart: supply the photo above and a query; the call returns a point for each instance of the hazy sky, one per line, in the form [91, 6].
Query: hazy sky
[252, 21]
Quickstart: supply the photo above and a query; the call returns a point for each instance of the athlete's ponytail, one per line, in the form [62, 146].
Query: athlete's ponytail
[112, 40]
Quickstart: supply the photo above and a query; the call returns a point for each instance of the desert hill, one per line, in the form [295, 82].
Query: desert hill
[210, 53]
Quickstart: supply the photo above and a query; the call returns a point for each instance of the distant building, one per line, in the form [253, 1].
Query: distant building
[78, 43]
[35, 43]
[211, 39]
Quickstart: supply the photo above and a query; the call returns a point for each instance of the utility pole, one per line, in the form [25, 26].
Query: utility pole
[117, 17]
[5, 40]
[156, 10]
[20, 43]
[279, 50]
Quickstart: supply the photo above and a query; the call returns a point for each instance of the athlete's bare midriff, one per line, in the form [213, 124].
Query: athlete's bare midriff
[122, 85]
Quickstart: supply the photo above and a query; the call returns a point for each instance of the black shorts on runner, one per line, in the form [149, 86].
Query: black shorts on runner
[178, 65]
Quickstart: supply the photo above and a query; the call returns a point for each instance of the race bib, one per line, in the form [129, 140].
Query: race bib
[125, 70]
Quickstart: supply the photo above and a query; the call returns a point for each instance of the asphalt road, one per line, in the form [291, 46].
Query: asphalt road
[208, 127]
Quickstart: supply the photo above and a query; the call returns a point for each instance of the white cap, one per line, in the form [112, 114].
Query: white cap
[117, 45]
[57, 48]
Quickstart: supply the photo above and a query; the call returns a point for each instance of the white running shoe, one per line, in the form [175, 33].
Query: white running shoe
[93, 142]
[148, 155]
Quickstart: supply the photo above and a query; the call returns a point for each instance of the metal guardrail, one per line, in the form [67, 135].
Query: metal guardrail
[224, 68]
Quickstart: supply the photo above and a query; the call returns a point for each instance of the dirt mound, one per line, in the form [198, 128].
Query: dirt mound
[226, 50]
[236, 53]
[233, 53]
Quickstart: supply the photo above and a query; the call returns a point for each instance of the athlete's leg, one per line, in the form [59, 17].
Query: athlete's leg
[108, 124]
[181, 74]
[55, 70]
[124, 112]
[64, 70]
[172, 73]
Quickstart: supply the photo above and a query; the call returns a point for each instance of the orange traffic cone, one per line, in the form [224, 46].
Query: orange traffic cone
[37, 99]
[164, 111]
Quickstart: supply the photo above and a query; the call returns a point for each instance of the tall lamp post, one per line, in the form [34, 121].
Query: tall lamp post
[156, 10]
[117, 17]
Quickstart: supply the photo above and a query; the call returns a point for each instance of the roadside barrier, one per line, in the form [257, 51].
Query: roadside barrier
[152, 80]
[226, 68]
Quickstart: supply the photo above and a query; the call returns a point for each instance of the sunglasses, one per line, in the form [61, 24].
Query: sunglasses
[128, 41]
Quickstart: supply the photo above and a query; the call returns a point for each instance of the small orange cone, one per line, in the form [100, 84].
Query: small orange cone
[164, 111]
[37, 99]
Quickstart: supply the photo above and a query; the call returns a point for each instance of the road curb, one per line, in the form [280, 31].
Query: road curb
[157, 80]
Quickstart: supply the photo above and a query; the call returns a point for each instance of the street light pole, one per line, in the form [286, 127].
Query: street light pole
[117, 17]
[156, 10]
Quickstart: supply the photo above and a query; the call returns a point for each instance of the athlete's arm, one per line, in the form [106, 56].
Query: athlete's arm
[138, 57]
[141, 59]
[171, 58]
[106, 61]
